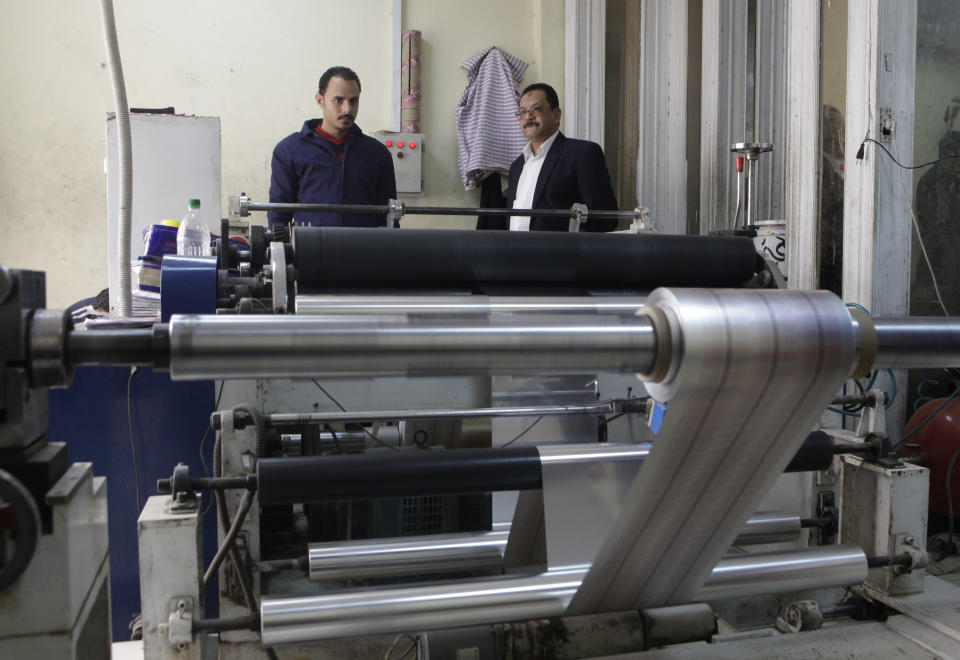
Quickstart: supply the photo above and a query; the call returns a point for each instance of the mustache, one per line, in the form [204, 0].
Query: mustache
[530, 123]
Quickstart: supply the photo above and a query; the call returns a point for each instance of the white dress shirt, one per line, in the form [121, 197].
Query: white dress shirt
[532, 164]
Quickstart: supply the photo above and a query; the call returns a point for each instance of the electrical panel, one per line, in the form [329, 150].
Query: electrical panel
[407, 152]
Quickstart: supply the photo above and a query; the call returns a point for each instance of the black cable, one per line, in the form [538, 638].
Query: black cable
[893, 158]
[522, 433]
[953, 459]
[342, 409]
[203, 440]
[133, 443]
[929, 417]
[243, 577]
[336, 440]
[245, 502]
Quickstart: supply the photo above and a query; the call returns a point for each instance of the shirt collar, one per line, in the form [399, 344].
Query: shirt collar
[544, 148]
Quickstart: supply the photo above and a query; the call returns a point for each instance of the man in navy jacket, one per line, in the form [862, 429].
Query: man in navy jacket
[554, 171]
[331, 161]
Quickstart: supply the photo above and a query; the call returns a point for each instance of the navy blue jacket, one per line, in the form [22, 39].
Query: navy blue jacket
[307, 169]
[573, 172]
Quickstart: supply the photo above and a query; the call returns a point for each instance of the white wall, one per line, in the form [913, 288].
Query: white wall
[254, 64]
[451, 32]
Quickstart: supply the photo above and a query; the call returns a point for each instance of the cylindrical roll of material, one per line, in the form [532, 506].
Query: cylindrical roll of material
[545, 595]
[390, 305]
[266, 346]
[405, 473]
[769, 527]
[917, 342]
[419, 555]
[327, 256]
[771, 573]
[440, 553]
[753, 370]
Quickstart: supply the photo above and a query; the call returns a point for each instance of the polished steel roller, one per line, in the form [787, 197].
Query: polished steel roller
[204, 347]
[443, 553]
[344, 304]
[434, 606]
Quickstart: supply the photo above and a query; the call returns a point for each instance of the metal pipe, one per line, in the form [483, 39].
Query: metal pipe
[416, 555]
[430, 607]
[444, 553]
[794, 570]
[205, 347]
[345, 304]
[608, 407]
[917, 342]
[770, 527]
[428, 210]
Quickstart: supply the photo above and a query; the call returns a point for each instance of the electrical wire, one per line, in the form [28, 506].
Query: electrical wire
[133, 443]
[522, 433]
[413, 645]
[336, 440]
[245, 503]
[342, 409]
[929, 417]
[203, 439]
[916, 227]
[893, 158]
[953, 459]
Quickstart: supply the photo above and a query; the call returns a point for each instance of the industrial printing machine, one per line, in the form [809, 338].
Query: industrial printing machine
[469, 493]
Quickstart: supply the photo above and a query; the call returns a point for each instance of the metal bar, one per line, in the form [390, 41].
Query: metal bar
[770, 527]
[429, 210]
[429, 607]
[917, 342]
[608, 407]
[266, 346]
[444, 553]
[345, 304]
[416, 555]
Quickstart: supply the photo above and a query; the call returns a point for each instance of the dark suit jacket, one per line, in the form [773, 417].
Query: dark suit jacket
[573, 172]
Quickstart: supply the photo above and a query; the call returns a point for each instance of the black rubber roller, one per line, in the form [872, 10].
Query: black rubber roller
[333, 256]
[403, 473]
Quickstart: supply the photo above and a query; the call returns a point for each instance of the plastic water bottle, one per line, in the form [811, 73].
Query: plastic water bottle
[193, 235]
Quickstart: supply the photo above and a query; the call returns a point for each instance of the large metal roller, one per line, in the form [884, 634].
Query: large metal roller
[445, 553]
[431, 607]
[339, 257]
[387, 305]
[203, 347]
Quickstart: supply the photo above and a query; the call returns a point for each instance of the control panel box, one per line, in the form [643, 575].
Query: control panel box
[407, 152]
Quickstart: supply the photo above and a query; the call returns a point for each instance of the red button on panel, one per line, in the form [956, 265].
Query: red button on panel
[389, 143]
[400, 143]
[412, 145]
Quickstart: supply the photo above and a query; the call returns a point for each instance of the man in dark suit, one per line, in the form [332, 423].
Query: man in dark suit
[554, 171]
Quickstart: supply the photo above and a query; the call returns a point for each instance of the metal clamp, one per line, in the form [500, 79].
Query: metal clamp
[182, 495]
[239, 205]
[578, 215]
[180, 623]
[394, 213]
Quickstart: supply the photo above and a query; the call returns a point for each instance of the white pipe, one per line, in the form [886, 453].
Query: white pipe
[124, 159]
